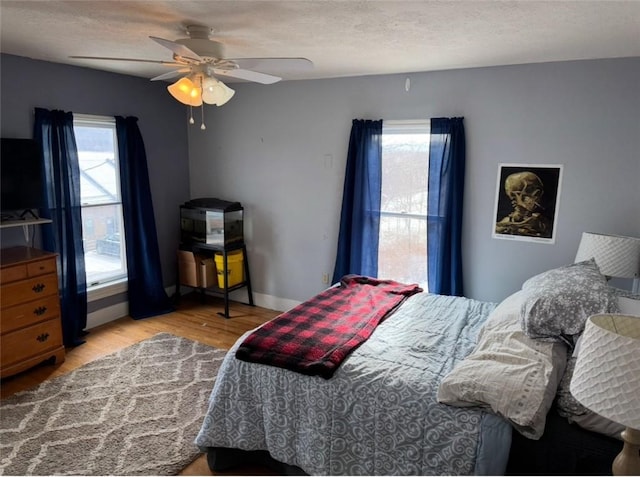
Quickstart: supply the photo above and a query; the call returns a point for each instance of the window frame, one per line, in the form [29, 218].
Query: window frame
[412, 126]
[97, 290]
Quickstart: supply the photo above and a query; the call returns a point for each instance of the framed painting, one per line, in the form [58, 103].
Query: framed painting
[526, 204]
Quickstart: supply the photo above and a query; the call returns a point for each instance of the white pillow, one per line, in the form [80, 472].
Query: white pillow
[629, 305]
[570, 408]
[508, 373]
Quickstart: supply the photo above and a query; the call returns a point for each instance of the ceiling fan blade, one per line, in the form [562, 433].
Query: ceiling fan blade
[104, 58]
[274, 64]
[178, 49]
[248, 75]
[171, 74]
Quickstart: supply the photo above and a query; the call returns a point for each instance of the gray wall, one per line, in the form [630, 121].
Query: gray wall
[281, 151]
[27, 84]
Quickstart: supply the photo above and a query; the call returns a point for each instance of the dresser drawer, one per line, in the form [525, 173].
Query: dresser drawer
[27, 270]
[33, 340]
[27, 314]
[13, 274]
[41, 267]
[26, 290]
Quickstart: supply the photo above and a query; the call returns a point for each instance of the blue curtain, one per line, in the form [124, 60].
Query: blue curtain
[444, 208]
[54, 131]
[147, 296]
[360, 216]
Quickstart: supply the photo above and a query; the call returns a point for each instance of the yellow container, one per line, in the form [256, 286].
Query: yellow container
[235, 268]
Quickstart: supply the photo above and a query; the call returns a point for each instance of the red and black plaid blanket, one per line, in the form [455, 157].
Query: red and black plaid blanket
[316, 336]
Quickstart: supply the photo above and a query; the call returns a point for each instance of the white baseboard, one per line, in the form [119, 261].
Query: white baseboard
[119, 310]
[107, 314]
[264, 301]
[273, 302]
[114, 312]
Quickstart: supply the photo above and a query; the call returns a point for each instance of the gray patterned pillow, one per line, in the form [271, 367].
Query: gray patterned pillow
[558, 302]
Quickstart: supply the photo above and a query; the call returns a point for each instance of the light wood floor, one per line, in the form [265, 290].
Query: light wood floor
[196, 318]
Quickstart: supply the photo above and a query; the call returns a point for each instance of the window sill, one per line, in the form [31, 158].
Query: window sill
[106, 290]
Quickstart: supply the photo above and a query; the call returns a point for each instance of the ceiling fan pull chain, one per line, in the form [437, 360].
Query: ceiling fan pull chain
[191, 121]
[202, 126]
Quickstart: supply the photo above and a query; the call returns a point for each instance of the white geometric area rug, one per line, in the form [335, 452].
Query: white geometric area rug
[133, 412]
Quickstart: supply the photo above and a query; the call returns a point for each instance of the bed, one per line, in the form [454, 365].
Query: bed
[443, 386]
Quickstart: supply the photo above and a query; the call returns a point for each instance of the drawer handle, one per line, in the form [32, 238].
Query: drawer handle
[41, 310]
[43, 337]
[38, 288]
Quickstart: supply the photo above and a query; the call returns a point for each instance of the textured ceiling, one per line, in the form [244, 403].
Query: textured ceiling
[342, 38]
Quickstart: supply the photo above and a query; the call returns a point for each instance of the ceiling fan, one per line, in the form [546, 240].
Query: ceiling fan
[202, 59]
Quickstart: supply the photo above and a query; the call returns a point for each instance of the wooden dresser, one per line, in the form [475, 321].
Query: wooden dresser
[30, 327]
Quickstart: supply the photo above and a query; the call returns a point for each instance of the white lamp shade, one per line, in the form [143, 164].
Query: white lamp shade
[615, 255]
[216, 92]
[185, 91]
[606, 378]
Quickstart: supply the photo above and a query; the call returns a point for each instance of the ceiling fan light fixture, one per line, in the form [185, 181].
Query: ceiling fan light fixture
[216, 92]
[185, 91]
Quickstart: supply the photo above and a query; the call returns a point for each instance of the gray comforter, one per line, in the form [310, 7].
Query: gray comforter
[378, 415]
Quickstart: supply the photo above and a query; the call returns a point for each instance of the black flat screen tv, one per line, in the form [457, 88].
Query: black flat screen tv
[22, 178]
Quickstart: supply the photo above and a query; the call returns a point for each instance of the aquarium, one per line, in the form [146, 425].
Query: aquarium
[212, 222]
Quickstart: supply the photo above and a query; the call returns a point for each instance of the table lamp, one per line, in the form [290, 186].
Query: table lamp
[606, 380]
[616, 255]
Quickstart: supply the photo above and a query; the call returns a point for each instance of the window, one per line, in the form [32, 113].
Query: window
[402, 251]
[102, 233]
